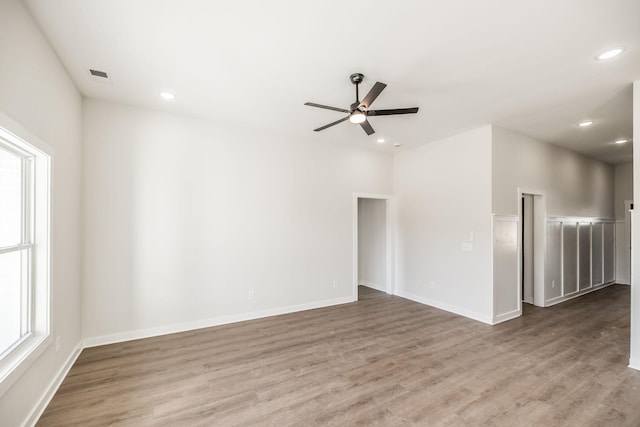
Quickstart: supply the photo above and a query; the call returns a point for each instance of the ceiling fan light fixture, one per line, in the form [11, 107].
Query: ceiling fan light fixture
[357, 117]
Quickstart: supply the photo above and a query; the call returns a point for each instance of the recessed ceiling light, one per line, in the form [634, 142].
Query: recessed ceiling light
[380, 140]
[610, 53]
[168, 96]
[397, 144]
[620, 141]
[585, 123]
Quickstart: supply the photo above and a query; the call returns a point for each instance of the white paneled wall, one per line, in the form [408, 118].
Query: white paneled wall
[584, 255]
[597, 277]
[580, 251]
[623, 253]
[507, 295]
[553, 260]
[569, 262]
[609, 256]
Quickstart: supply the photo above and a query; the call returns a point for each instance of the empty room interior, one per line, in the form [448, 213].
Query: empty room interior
[319, 213]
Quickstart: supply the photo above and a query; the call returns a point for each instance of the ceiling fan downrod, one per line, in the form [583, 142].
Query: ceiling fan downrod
[356, 79]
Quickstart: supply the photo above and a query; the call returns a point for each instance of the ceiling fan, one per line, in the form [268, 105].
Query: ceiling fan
[359, 110]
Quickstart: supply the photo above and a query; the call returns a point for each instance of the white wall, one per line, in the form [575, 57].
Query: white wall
[186, 219]
[634, 360]
[36, 92]
[623, 192]
[372, 243]
[623, 187]
[574, 185]
[443, 192]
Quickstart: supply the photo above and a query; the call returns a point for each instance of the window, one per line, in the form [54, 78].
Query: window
[16, 246]
[24, 251]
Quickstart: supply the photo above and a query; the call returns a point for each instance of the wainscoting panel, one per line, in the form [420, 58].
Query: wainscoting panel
[570, 257]
[608, 236]
[584, 255]
[505, 268]
[597, 277]
[623, 253]
[553, 261]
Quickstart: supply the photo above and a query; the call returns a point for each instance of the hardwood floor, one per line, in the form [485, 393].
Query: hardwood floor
[381, 361]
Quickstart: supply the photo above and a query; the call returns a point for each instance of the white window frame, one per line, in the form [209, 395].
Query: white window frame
[25, 245]
[38, 157]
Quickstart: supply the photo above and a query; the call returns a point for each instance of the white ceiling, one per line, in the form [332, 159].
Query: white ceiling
[525, 65]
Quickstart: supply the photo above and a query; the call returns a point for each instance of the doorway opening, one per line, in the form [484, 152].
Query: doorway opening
[532, 244]
[372, 260]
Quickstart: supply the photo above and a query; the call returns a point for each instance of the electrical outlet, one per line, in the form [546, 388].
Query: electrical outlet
[251, 294]
[553, 283]
[58, 343]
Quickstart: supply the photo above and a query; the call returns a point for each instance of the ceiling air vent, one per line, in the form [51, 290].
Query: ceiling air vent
[98, 73]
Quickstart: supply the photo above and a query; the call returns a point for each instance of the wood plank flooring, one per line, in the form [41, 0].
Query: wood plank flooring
[383, 361]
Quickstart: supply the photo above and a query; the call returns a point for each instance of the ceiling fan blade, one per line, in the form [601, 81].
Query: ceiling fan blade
[331, 124]
[326, 107]
[367, 127]
[372, 95]
[392, 112]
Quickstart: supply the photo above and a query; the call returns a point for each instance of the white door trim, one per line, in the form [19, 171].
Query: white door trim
[539, 243]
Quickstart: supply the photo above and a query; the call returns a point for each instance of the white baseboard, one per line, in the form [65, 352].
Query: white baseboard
[372, 285]
[634, 363]
[38, 410]
[558, 300]
[446, 307]
[207, 323]
[506, 316]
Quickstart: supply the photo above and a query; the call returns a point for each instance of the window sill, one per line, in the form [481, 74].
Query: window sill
[18, 361]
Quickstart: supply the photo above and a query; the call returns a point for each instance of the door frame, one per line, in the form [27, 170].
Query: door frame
[627, 234]
[539, 245]
[527, 270]
[390, 240]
